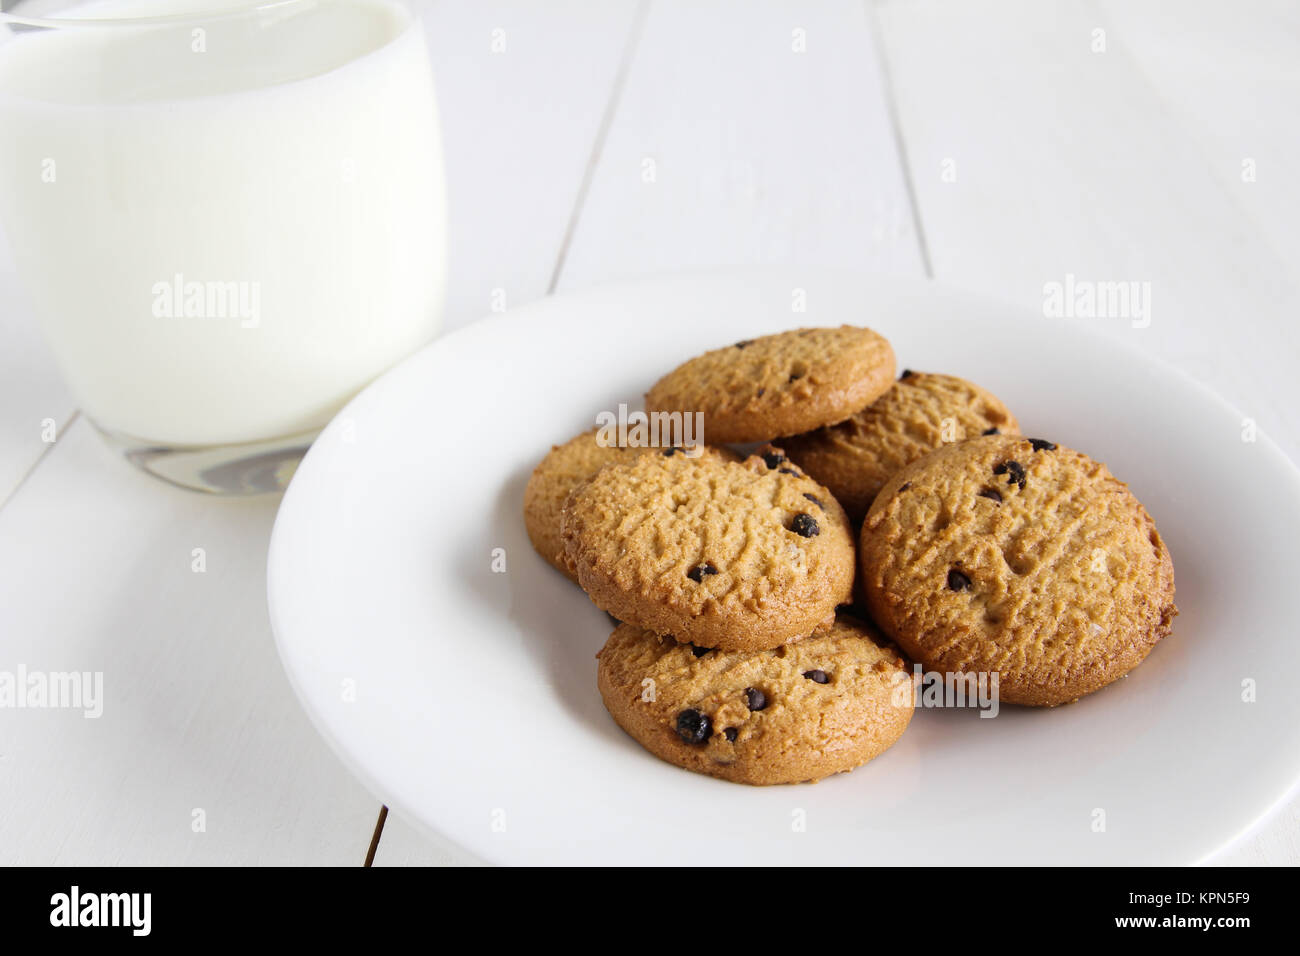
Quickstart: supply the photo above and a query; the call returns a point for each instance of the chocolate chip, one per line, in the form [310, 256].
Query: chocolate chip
[958, 581]
[773, 458]
[755, 699]
[1014, 471]
[693, 727]
[698, 572]
[992, 494]
[789, 471]
[805, 525]
[991, 431]
[817, 677]
[731, 733]
[815, 500]
[669, 452]
[1040, 444]
[907, 373]
[744, 342]
[700, 651]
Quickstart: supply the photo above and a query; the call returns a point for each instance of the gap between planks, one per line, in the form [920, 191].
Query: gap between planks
[895, 125]
[45, 452]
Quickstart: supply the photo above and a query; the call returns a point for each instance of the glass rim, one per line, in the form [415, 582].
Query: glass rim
[217, 13]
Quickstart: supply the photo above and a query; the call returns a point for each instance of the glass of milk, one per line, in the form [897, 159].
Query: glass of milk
[227, 218]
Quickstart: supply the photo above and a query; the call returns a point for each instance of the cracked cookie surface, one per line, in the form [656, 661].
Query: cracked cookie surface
[919, 413]
[782, 384]
[822, 705]
[1020, 557]
[742, 556]
[564, 468]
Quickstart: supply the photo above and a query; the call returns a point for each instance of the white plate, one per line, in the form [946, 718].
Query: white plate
[466, 699]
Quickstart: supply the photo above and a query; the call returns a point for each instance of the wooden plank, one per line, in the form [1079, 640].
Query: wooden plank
[747, 133]
[522, 91]
[1234, 108]
[34, 405]
[1035, 158]
[98, 574]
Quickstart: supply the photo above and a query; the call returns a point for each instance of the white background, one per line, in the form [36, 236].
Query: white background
[986, 143]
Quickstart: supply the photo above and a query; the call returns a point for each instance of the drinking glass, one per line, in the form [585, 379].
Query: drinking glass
[227, 217]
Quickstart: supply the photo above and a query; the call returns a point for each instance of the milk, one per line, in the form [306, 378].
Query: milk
[226, 225]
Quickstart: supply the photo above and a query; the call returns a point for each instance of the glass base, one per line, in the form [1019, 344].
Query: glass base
[249, 468]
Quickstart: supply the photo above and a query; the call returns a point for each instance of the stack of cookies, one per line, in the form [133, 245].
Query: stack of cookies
[741, 653]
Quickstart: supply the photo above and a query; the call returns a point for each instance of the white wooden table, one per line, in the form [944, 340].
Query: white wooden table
[993, 144]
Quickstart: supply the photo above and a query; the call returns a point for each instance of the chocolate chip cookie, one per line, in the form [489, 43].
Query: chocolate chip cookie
[918, 414]
[563, 469]
[781, 384]
[742, 556]
[826, 704]
[1019, 557]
